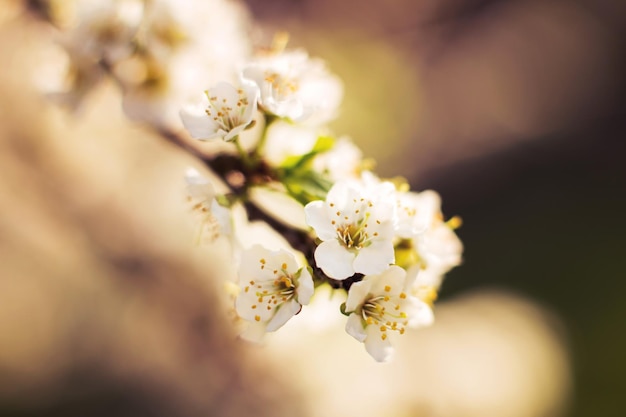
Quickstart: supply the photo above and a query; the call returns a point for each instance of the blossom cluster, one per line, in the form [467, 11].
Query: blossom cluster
[298, 205]
[385, 246]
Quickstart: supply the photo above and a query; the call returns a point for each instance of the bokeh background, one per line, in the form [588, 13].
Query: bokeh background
[513, 111]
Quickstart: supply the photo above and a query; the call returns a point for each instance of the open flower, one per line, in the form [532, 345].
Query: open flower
[380, 308]
[356, 226]
[224, 112]
[273, 287]
[426, 241]
[296, 87]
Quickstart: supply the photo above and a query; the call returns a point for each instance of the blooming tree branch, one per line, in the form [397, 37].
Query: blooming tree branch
[301, 208]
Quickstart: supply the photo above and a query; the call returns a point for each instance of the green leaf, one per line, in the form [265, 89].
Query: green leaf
[307, 186]
[323, 144]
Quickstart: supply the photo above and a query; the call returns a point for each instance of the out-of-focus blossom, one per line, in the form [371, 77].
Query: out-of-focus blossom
[214, 220]
[285, 140]
[416, 212]
[160, 52]
[343, 161]
[356, 225]
[425, 240]
[188, 45]
[439, 248]
[273, 288]
[100, 33]
[380, 308]
[224, 112]
[295, 86]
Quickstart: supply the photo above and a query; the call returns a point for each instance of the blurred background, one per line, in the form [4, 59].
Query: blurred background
[514, 111]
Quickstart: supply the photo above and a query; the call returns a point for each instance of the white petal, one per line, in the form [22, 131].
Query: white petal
[357, 294]
[394, 278]
[354, 327]
[224, 91]
[198, 186]
[422, 315]
[234, 132]
[375, 258]
[252, 94]
[381, 350]
[251, 267]
[244, 303]
[286, 139]
[283, 314]
[341, 195]
[282, 258]
[335, 260]
[199, 125]
[253, 73]
[305, 287]
[441, 245]
[316, 216]
[223, 217]
[281, 206]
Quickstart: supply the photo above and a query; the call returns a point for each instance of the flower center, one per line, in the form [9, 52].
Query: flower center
[353, 236]
[281, 87]
[387, 312]
[271, 293]
[224, 115]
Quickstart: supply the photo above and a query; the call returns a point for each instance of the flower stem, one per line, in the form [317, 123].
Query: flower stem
[269, 119]
[245, 157]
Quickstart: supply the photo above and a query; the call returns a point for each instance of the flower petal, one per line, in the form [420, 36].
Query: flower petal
[357, 294]
[392, 282]
[335, 260]
[375, 258]
[199, 125]
[354, 327]
[305, 288]
[252, 268]
[380, 349]
[316, 216]
[225, 93]
[283, 314]
[423, 316]
[248, 308]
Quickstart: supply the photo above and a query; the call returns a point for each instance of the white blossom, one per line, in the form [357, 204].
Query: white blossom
[96, 32]
[432, 243]
[416, 212]
[380, 308]
[273, 288]
[356, 225]
[439, 248]
[424, 284]
[296, 87]
[214, 220]
[284, 140]
[185, 46]
[160, 52]
[224, 112]
[343, 161]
